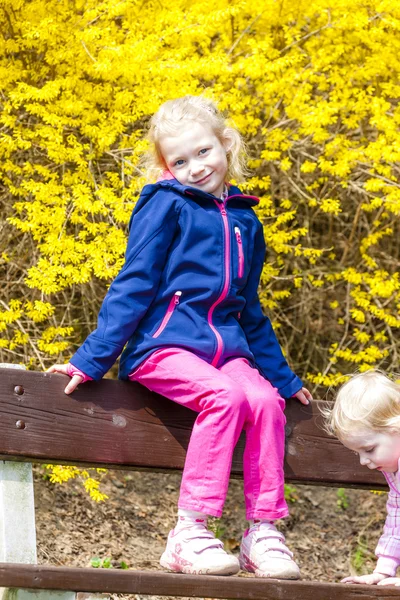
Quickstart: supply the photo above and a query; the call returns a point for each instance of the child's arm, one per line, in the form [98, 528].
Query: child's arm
[261, 336]
[388, 548]
[132, 291]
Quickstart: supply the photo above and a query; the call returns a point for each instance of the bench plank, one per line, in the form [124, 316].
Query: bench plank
[120, 424]
[171, 584]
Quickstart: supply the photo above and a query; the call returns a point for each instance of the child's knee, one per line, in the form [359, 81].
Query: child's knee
[269, 403]
[231, 398]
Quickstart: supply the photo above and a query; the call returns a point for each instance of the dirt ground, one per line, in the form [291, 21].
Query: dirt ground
[332, 532]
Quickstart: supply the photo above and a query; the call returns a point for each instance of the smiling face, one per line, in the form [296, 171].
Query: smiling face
[376, 449]
[196, 157]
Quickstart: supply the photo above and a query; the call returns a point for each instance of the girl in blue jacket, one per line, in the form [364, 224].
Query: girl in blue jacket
[185, 314]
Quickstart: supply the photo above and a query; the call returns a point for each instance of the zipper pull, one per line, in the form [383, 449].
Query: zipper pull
[238, 236]
[177, 295]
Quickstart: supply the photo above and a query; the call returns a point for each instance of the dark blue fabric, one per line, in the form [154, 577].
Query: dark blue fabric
[177, 243]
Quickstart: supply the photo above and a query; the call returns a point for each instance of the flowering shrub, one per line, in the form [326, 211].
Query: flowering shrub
[312, 85]
[61, 474]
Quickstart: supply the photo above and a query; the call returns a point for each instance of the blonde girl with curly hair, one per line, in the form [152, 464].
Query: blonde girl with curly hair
[185, 313]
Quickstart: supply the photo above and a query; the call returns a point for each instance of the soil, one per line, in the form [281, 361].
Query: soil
[333, 532]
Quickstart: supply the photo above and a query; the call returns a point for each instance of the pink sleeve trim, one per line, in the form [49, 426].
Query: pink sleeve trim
[387, 566]
[74, 371]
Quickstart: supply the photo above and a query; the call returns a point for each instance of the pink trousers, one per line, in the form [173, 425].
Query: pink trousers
[228, 399]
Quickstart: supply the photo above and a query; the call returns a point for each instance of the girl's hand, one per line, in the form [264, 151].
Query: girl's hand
[371, 579]
[65, 370]
[303, 395]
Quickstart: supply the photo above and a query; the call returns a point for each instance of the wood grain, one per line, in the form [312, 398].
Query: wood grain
[171, 584]
[123, 425]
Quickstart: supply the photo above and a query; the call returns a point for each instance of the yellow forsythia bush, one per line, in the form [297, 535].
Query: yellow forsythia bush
[314, 87]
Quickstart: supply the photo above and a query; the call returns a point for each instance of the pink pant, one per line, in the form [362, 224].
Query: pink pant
[228, 399]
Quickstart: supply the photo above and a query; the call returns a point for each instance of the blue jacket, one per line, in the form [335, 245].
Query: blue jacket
[190, 280]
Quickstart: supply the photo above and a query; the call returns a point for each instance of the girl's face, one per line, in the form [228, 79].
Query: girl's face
[376, 449]
[196, 157]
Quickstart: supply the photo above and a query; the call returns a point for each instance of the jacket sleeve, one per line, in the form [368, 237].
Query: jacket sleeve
[129, 296]
[259, 332]
[388, 548]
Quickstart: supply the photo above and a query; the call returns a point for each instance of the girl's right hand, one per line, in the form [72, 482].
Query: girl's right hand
[371, 579]
[303, 395]
[66, 370]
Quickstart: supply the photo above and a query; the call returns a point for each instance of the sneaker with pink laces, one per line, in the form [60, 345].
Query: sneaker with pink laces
[264, 553]
[196, 551]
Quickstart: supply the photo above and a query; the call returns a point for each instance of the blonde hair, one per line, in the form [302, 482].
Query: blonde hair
[170, 117]
[368, 400]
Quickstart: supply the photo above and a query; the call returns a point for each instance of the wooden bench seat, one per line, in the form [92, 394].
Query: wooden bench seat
[172, 584]
[122, 425]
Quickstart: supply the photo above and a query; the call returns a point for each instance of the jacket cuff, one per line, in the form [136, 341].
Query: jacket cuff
[387, 566]
[84, 366]
[291, 388]
[96, 356]
[72, 370]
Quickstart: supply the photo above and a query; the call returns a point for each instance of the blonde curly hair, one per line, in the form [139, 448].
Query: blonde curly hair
[368, 400]
[170, 118]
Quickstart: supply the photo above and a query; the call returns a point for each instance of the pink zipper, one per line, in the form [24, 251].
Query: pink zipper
[173, 303]
[222, 296]
[240, 252]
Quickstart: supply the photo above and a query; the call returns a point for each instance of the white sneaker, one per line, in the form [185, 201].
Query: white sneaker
[264, 553]
[195, 550]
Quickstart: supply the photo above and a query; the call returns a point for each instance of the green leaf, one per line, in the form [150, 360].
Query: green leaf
[95, 562]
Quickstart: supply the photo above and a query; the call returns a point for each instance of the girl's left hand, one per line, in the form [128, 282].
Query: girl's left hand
[303, 395]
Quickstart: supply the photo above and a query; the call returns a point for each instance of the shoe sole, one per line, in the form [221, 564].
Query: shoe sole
[168, 562]
[288, 574]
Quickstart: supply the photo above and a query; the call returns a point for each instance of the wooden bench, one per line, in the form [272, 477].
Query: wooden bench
[122, 425]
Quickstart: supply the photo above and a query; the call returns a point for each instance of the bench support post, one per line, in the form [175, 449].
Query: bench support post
[17, 525]
[17, 513]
